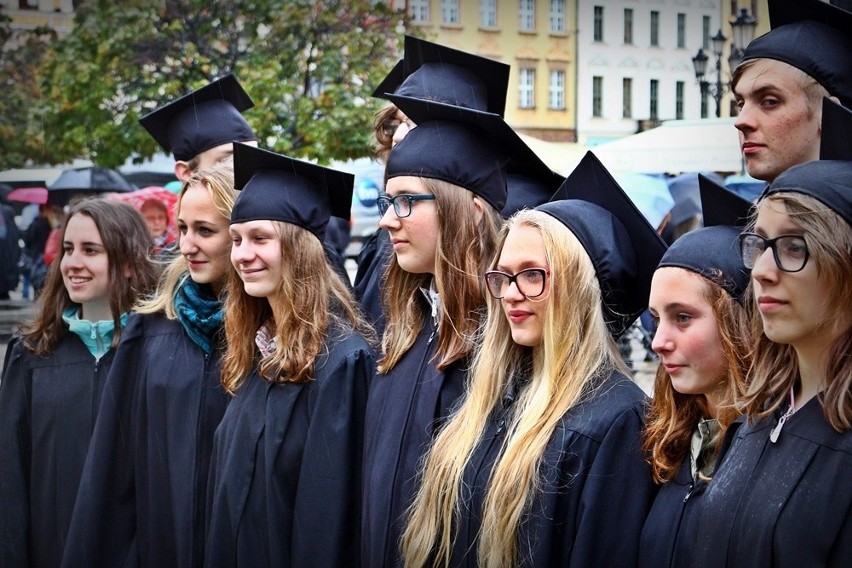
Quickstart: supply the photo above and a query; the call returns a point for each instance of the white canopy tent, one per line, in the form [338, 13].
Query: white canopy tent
[677, 146]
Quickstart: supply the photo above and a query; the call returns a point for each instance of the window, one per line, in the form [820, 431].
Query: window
[527, 15]
[655, 28]
[557, 89]
[557, 16]
[627, 97]
[597, 96]
[419, 10]
[655, 99]
[527, 92]
[450, 11]
[679, 100]
[488, 13]
[598, 29]
[628, 26]
[28, 4]
[705, 26]
[681, 30]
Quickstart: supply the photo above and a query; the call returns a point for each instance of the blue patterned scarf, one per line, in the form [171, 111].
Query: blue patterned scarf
[199, 312]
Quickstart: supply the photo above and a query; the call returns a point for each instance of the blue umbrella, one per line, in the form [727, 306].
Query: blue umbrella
[687, 199]
[649, 193]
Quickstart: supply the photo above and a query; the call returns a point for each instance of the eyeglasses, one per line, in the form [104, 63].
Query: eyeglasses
[401, 203]
[790, 251]
[390, 126]
[530, 282]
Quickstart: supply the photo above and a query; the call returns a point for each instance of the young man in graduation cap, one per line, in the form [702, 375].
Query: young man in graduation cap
[199, 129]
[784, 76]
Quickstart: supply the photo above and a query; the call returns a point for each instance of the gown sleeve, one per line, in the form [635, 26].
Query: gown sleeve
[103, 525]
[15, 450]
[616, 498]
[327, 509]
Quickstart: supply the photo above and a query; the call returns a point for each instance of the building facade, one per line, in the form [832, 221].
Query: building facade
[31, 14]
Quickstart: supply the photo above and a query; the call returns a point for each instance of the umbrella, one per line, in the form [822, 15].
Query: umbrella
[28, 195]
[649, 193]
[684, 190]
[76, 181]
[140, 196]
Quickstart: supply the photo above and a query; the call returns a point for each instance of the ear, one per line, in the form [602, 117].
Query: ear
[182, 171]
[479, 207]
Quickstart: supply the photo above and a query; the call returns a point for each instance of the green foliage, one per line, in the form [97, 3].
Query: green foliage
[309, 66]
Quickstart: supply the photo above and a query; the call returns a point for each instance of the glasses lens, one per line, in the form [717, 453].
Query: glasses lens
[402, 205]
[389, 127]
[382, 203]
[751, 246]
[496, 283]
[791, 253]
[530, 282]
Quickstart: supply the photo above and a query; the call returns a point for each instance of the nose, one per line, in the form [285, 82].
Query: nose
[187, 243]
[389, 220]
[72, 259]
[765, 269]
[745, 119]
[662, 342]
[400, 133]
[512, 294]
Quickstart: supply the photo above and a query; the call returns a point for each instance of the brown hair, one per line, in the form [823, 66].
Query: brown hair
[384, 135]
[465, 247]
[127, 243]
[673, 416]
[775, 368]
[311, 297]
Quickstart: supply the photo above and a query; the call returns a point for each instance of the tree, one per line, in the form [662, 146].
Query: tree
[21, 52]
[310, 67]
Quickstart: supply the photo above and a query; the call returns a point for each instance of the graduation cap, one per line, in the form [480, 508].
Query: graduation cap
[828, 181]
[812, 36]
[714, 251]
[623, 246]
[528, 189]
[277, 188]
[462, 146]
[203, 119]
[436, 72]
[835, 143]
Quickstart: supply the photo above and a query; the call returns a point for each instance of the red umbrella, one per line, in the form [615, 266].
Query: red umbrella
[152, 193]
[28, 195]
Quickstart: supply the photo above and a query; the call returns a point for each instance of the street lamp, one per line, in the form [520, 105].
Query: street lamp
[743, 29]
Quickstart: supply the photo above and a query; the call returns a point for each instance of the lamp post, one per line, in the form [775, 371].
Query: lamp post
[743, 30]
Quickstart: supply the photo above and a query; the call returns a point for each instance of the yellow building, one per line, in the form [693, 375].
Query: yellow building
[759, 10]
[537, 38]
[30, 14]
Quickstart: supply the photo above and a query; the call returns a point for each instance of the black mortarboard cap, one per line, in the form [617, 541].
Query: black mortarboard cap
[813, 36]
[458, 145]
[436, 72]
[277, 188]
[828, 181]
[835, 143]
[721, 206]
[202, 119]
[623, 246]
[714, 251]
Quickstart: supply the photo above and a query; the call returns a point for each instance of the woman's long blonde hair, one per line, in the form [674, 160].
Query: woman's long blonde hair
[218, 180]
[311, 296]
[775, 368]
[576, 350]
[465, 247]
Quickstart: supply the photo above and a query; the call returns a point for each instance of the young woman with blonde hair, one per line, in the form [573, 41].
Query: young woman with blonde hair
[286, 467]
[781, 495]
[704, 343]
[541, 465]
[143, 493]
[54, 375]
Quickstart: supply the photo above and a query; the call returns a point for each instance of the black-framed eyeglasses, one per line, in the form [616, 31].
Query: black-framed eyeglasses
[790, 251]
[401, 203]
[530, 282]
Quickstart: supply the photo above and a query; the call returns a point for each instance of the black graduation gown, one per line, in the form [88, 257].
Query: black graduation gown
[596, 486]
[48, 407]
[405, 407]
[143, 495]
[787, 504]
[670, 531]
[372, 262]
[286, 466]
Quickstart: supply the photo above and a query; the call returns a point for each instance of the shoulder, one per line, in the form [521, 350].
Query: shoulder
[345, 351]
[615, 402]
[149, 325]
